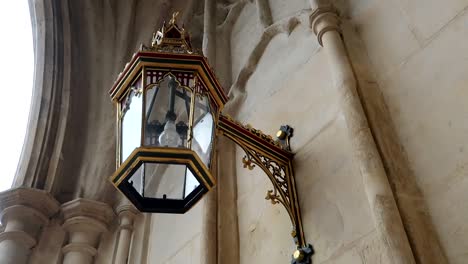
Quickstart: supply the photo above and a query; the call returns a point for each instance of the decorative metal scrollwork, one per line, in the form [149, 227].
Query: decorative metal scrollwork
[248, 162]
[275, 159]
[256, 132]
[276, 173]
[272, 196]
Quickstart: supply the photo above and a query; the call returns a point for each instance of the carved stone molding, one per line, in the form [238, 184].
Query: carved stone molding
[126, 213]
[84, 220]
[23, 212]
[324, 19]
[39, 200]
[284, 26]
[88, 208]
[82, 248]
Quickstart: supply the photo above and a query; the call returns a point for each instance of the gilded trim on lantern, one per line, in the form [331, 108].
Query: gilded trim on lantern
[172, 62]
[138, 156]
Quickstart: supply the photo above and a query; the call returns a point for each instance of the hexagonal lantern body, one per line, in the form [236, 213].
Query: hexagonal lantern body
[168, 102]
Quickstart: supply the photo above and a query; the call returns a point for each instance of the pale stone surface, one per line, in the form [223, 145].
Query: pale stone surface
[170, 234]
[331, 191]
[188, 254]
[388, 40]
[244, 36]
[366, 249]
[428, 17]
[107, 246]
[426, 99]
[282, 9]
[140, 242]
[410, 199]
[49, 245]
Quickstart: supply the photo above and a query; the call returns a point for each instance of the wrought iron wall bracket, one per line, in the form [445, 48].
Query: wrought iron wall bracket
[275, 159]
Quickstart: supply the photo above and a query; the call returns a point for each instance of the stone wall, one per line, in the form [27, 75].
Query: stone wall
[176, 238]
[415, 52]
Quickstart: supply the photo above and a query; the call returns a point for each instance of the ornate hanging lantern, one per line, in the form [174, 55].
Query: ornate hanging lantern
[169, 110]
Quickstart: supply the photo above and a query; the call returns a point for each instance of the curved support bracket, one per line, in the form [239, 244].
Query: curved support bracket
[274, 157]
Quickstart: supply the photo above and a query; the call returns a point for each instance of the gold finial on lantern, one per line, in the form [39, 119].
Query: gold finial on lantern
[171, 38]
[174, 18]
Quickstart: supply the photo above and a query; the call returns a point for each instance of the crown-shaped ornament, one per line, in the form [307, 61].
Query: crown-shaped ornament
[171, 38]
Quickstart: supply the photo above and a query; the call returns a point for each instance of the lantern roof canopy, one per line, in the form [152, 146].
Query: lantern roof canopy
[171, 51]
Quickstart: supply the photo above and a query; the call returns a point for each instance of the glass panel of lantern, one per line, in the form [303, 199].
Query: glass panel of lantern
[167, 114]
[203, 129]
[131, 113]
[163, 181]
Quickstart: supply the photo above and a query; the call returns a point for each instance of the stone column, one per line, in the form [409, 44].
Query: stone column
[24, 212]
[209, 235]
[325, 23]
[228, 226]
[126, 214]
[85, 221]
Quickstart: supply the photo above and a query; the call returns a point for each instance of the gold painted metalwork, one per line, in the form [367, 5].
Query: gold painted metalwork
[255, 131]
[281, 134]
[174, 17]
[262, 151]
[118, 177]
[298, 255]
[170, 39]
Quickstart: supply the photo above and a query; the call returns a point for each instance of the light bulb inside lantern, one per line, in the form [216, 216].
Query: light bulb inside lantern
[169, 137]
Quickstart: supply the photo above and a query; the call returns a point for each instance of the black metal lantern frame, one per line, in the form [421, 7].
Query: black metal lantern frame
[169, 112]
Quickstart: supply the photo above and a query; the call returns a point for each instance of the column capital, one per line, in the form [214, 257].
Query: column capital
[38, 200]
[324, 19]
[126, 213]
[126, 209]
[84, 220]
[23, 213]
[88, 216]
[88, 208]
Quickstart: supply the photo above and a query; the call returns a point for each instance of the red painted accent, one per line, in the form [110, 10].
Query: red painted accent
[239, 128]
[174, 56]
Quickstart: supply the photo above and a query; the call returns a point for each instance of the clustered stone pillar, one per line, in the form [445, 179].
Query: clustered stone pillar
[209, 241]
[85, 221]
[24, 212]
[126, 214]
[325, 23]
